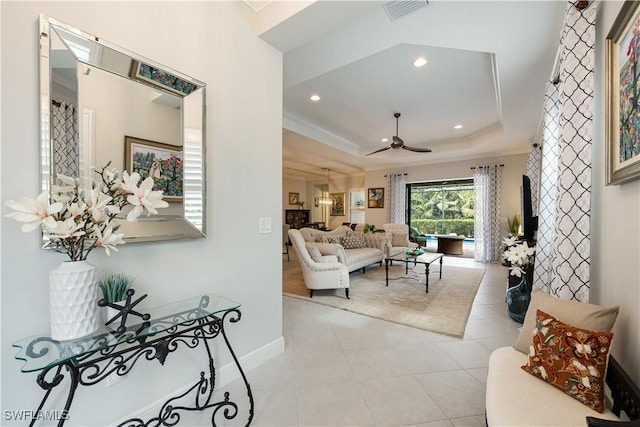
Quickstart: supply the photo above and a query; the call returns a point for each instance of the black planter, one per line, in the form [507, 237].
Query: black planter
[518, 298]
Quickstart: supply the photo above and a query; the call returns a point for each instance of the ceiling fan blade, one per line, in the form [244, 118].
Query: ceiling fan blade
[416, 149]
[377, 151]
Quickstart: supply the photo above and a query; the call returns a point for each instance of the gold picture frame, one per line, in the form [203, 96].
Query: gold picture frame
[163, 162]
[294, 198]
[622, 86]
[337, 207]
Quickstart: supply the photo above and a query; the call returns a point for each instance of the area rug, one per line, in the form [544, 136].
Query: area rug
[445, 309]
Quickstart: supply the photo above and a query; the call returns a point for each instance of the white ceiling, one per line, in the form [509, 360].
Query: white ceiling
[488, 65]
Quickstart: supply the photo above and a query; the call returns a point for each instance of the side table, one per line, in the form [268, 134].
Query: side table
[89, 360]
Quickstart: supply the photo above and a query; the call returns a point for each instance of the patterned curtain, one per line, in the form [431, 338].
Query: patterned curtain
[570, 255]
[66, 154]
[396, 192]
[534, 164]
[548, 188]
[487, 183]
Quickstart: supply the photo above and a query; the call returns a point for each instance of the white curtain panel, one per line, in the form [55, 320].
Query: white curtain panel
[548, 188]
[66, 155]
[396, 195]
[534, 165]
[487, 183]
[569, 255]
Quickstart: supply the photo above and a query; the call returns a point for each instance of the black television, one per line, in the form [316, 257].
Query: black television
[529, 222]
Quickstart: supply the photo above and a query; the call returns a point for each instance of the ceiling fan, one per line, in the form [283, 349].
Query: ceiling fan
[399, 143]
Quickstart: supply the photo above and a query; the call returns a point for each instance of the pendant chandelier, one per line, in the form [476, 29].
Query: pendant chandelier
[325, 200]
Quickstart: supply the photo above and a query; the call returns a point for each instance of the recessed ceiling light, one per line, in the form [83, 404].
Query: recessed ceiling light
[385, 139]
[419, 62]
[457, 127]
[315, 97]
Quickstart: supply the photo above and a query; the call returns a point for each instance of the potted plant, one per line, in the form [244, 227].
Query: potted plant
[514, 224]
[114, 289]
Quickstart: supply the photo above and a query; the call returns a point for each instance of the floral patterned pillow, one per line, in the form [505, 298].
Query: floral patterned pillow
[571, 359]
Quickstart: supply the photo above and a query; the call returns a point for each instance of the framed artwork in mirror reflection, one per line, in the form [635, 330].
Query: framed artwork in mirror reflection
[160, 161]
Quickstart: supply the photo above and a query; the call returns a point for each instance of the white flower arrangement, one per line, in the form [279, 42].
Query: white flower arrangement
[80, 215]
[519, 255]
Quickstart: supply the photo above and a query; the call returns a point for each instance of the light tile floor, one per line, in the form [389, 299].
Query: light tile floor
[345, 369]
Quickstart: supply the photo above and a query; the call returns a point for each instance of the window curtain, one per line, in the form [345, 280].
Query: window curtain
[396, 198]
[66, 150]
[487, 182]
[566, 273]
[548, 188]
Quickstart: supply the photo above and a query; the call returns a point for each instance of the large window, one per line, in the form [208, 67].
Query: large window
[441, 207]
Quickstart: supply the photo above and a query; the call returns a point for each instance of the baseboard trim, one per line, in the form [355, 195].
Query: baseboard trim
[224, 375]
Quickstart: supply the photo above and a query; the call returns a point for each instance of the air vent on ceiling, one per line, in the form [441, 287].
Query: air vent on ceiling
[398, 8]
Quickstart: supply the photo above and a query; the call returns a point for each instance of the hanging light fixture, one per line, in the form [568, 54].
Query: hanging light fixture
[325, 200]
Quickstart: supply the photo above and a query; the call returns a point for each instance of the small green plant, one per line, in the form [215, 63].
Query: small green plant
[114, 287]
[514, 224]
[369, 228]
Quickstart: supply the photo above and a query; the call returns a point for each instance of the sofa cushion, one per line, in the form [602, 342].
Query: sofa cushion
[353, 241]
[578, 314]
[571, 359]
[357, 256]
[314, 252]
[515, 398]
[399, 239]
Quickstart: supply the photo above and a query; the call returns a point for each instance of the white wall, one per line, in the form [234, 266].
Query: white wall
[514, 168]
[212, 42]
[615, 221]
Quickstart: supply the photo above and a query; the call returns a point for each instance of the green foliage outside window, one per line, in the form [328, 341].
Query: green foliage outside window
[442, 208]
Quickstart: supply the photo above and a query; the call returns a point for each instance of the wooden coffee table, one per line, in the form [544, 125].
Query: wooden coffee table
[427, 259]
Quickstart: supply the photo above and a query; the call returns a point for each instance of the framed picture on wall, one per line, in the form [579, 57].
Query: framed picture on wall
[622, 89]
[375, 198]
[162, 162]
[294, 198]
[337, 207]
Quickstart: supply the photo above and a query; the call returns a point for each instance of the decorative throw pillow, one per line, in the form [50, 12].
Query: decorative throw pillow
[399, 239]
[579, 314]
[571, 359]
[332, 239]
[353, 241]
[321, 239]
[314, 252]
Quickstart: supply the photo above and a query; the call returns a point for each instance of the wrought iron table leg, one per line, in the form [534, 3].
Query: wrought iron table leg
[49, 386]
[235, 319]
[441, 259]
[426, 272]
[386, 270]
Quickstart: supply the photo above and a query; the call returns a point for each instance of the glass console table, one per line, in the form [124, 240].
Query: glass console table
[91, 359]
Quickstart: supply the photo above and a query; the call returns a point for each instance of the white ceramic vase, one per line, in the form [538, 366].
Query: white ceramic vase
[73, 298]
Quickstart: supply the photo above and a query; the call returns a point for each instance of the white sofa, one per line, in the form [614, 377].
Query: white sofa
[319, 271]
[354, 259]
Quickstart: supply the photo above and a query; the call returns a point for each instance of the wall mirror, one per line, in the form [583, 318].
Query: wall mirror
[101, 103]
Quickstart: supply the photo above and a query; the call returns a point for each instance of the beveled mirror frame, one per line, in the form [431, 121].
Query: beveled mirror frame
[191, 224]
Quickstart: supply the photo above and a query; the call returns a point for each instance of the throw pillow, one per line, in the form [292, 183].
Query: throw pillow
[332, 239]
[579, 314]
[399, 239]
[314, 252]
[321, 239]
[571, 359]
[353, 241]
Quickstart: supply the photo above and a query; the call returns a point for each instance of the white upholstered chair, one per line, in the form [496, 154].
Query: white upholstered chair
[319, 271]
[397, 238]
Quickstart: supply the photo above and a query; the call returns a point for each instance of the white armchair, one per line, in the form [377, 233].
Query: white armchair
[319, 271]
[397, 238]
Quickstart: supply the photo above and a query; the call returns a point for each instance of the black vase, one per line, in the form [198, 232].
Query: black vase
[518, 298]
